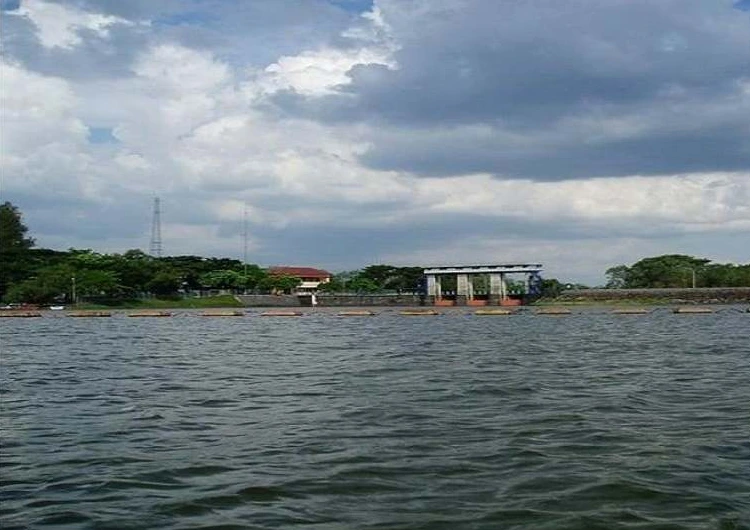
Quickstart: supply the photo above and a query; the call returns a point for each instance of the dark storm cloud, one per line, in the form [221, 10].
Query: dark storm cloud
[725, 148]
[524, 67]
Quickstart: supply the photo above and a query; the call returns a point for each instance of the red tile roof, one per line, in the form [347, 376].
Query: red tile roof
[301, 272]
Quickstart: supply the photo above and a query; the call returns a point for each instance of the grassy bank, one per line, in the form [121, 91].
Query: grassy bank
[207, 302]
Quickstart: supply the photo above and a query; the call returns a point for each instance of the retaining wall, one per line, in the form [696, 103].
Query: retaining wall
[354, 300]
[269, 300]
[700, 295]
[329, 300]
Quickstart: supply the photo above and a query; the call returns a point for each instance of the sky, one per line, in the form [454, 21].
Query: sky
[341, 133]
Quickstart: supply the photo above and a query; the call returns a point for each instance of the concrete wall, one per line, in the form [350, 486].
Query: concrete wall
[328, 300]
[269, 300]
[704, 295]
[337, 300]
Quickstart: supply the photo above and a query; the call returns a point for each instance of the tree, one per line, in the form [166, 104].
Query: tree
[12, 230]
[551, 288]
[222, 279]
[380, 275]
[669, 270]
[279, 283]
[15, 247]
[363, 284]
[166, 282]
[47, 285]
[618, 277]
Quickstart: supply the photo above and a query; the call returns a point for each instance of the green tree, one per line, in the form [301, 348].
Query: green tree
[15, 256]
[279, 283]
[223, 279]
[669, 270]
[551, 287]
[362, 284]
[405, 279]
[136, 270]
[618, 277]
[166, 282]
[12, 229]
[47, 285]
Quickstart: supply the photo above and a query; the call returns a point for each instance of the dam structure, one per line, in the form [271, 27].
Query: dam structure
[478, 285]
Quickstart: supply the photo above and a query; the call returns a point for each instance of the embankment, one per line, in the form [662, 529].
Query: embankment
[330, 300]
[700, 295]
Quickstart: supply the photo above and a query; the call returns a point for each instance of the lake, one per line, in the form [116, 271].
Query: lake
[585, 421]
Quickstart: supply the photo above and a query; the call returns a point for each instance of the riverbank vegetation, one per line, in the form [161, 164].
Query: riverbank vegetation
[134, 279]
[675, 271]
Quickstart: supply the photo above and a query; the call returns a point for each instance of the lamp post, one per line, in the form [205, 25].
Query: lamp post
[73, 289]
[692, 274]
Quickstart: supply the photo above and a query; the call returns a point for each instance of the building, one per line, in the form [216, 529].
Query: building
[311, 278]
[496, 275]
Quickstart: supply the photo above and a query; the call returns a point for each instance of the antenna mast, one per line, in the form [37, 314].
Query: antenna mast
[155, 248]
[244, 238]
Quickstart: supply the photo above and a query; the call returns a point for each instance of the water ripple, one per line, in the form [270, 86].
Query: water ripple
[584, 422]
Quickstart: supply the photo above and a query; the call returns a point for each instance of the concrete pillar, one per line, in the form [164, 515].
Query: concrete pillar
[431, 285]
[432, 289]
[496, 288]
[462, 289]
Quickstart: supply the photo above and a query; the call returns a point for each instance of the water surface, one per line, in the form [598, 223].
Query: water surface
[586, 421]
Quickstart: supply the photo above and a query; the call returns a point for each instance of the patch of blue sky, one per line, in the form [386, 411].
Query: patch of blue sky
[743, 5]
[354, 6]
[102, 135]
[10, 5]
[187, 18]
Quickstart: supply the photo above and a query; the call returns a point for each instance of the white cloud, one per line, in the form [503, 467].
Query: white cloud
[193, 127]
[60, 26]
[708, 200]
[42, 136]
[320, 72]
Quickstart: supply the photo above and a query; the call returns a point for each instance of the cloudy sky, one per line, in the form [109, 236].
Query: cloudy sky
[580, 134]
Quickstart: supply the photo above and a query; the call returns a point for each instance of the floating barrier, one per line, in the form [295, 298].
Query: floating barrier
[553, 311]
[151, 314]
[418, 312]
[282, 314]
[357, 313]
[89, 314]
[693, 310]
[493, 312]
[20, 314]
[630, 311]
[220, 313]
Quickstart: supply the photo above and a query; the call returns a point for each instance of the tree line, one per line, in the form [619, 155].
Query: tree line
[677, 270]
[43, 276]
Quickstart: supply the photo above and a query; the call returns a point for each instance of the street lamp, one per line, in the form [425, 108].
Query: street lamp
[692, 273]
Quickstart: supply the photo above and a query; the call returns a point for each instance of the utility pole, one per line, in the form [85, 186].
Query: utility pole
[155, 247]
[244, 238]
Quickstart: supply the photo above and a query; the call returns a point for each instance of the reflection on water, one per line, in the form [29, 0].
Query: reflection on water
[591, 420]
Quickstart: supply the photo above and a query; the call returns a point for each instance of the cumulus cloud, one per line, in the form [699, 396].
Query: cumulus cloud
[416, 130]
[61, 27]
[551, 90]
